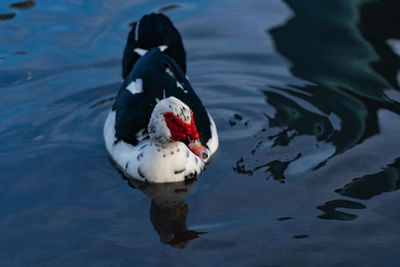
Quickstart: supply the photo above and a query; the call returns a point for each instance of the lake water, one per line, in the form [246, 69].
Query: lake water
[306, 98]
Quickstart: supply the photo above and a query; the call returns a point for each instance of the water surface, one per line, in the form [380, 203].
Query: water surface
[305, 95]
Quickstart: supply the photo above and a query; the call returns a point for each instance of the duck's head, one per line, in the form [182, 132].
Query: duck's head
[173, 121]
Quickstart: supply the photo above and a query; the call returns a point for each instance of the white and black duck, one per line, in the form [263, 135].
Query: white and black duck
[158, 130]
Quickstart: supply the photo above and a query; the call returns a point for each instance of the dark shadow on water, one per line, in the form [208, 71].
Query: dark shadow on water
[379, 22]
[276, 168]
[241, 168]
[23, 4]
[17, 5]
[300, 236]
[168, 212]
[330, 212]
[169, 7]
[368, 186]
[7, 16]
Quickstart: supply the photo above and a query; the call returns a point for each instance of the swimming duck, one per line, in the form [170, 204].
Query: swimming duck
[158, 129]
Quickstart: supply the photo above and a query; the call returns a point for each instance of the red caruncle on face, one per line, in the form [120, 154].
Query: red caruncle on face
[180, 130]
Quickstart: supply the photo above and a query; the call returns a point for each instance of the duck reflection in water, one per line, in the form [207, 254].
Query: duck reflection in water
[168, 211]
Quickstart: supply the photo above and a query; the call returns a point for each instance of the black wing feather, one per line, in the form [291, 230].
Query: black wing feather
[133, 111]
[153, 30]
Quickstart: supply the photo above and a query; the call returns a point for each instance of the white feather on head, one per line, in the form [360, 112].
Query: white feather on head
[157, 128]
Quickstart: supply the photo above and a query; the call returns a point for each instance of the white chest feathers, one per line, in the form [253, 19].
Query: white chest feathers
[171, 164]
[148, 162]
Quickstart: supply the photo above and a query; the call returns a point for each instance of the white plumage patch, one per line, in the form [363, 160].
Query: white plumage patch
[213, 142]
[179, 85]
[137, 31]
[163, 47]
[140, 51]
[135, 86]
[167, 70]
[141, 135]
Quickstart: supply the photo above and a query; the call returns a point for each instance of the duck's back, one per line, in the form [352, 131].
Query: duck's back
[153, 30]
[154, 76]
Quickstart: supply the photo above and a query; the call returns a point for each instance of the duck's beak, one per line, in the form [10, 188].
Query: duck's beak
[198, 149]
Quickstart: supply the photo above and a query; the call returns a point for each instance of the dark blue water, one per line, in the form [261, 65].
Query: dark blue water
[305, 95]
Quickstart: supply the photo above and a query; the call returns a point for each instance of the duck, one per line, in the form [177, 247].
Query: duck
[158, 130]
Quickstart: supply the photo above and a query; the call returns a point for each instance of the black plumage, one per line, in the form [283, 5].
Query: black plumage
[153, 30]
[133, 111]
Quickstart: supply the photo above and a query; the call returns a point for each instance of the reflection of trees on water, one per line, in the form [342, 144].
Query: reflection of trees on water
[325, 45]
[330, 212]
[364, 188]
[370, 185]
[379, 22]
[333, 45]
[358, 116]
[341, 48]
[276, 168]
[291, 116]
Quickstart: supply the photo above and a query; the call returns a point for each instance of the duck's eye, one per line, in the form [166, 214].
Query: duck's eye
[190, 139]
[171, 119]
